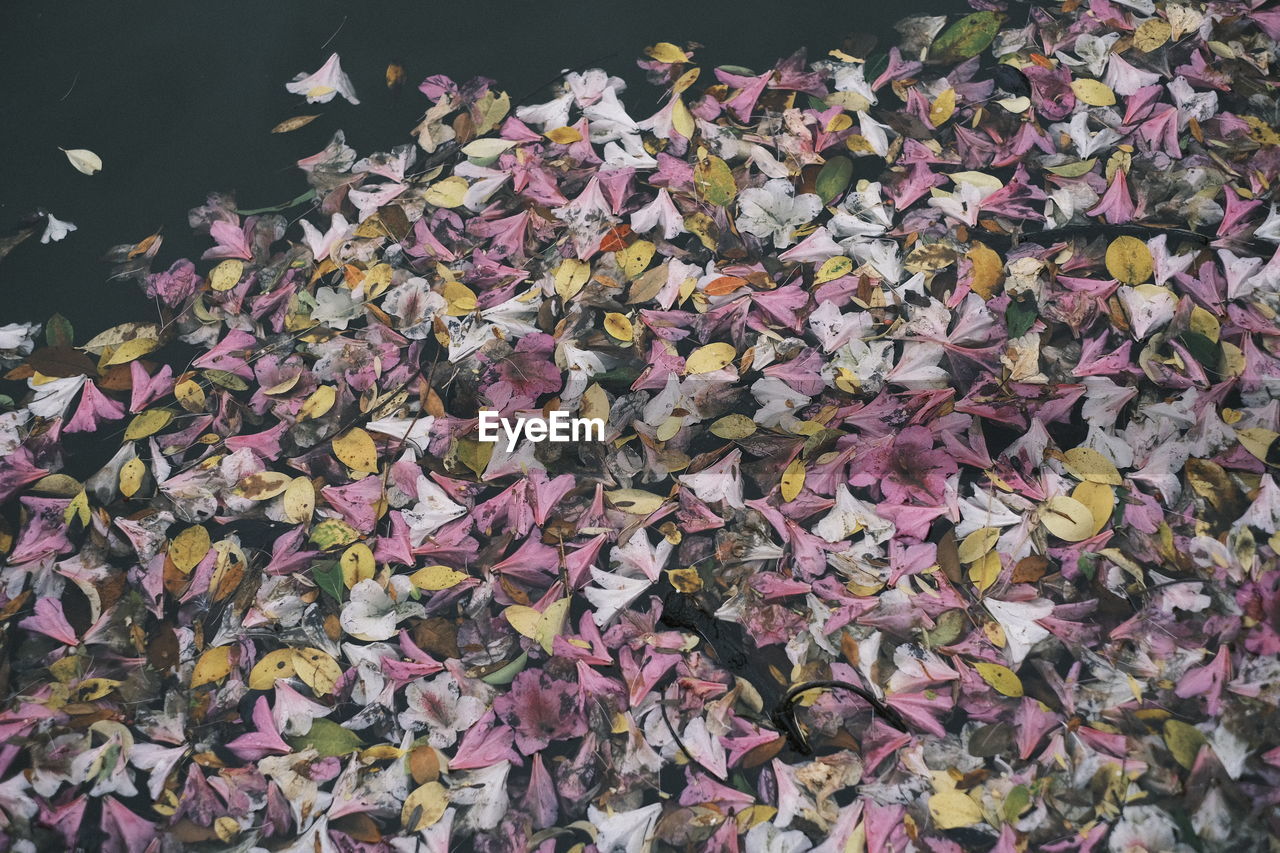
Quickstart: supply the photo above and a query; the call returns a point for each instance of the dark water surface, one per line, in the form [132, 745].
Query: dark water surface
[178, 98]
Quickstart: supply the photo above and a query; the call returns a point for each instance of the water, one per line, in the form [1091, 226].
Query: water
[179, 100]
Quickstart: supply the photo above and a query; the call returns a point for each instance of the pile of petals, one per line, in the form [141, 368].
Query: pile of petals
[936, 507]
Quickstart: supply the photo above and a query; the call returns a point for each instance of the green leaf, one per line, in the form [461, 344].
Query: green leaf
[1201, 348]
[58, 331]
[1020, 316]
[508, 673]
[966, 38]
[1073, 170]
[1016, 802]
[1087, 563]
[714, 181]
[305, 197]
[328, 738]
[328, 576]
[834, 178]
[876, 64]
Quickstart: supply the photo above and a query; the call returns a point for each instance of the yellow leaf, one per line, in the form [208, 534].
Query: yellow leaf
[226, 828]
[542, 627]
[1204, 323]
[294, 123]
[792, 480]
[77, 509]
[319, 403]
[1085, 463]
[1003, 679]
[333, 533]
[190, 395]
[1067, 518]
[1100, 498]
[710, 358]
[685, 80]
[424, 807]
[985, 571]
[461, 299]
[131, 474]
[299, 501]
[272, 666]
[988, 270]
[635, 258]
[564, 135]
[552, 622]
[1258, 441]
[1184, 741]
[570, 277]
[681, 119]
[190, 547]
[1129, 260]
[130, 350]
[83, 160]
[317, 670]
[685, 580]
[634, 501]
[1151, 34]
[377, 280]
[834, 268]
[357, 564]
[942, 108]
[356, 450]
[435, 578]
[226, 275]
[447, 193]
[212, 666]
[733, 427]
[978, 543]
[1093, 92]
[262, 486]
[713, 179]
[618, 326]
[953, 809]
[147, 423]
[665, 51]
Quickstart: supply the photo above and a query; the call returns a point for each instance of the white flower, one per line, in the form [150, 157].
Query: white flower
[719, 482]
[16, 341]
[1150, 307]
[414, 304]
[775, 211]
[322, 244]
[335, 307]
[1270, 229]
[372, 614]
[432, 511]
[1094, 52]
[862, 214]
[55, 229]
[442, 708]
[625, 832]
[1088, 143]
[321, 86]
[661, 212]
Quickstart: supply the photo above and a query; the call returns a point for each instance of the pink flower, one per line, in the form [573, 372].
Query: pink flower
[906, 467]
[541, 710]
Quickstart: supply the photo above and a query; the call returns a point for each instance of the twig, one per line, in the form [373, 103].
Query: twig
[335, 33]
[74, 80]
